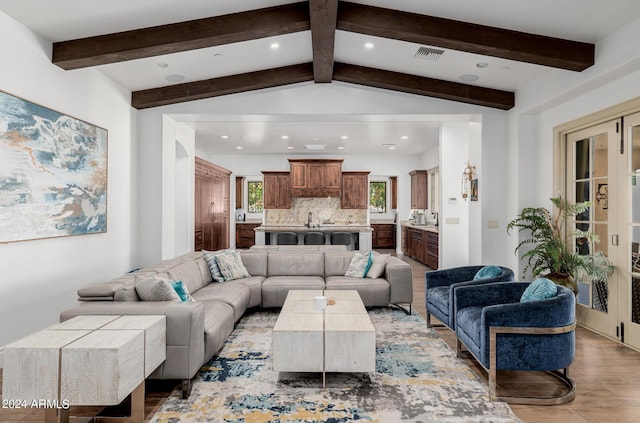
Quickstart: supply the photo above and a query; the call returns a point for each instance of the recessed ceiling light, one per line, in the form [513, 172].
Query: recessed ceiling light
[368, 46]
[290, 147]
[225, 137]
[469, 77]
[285, 137]
[239, 147]
[404, 137]
[344, 137]
[389, 146]
[174, 77]
[481, 65]
[341, 147]
[275, 46]
[315, 146]
[163, 65]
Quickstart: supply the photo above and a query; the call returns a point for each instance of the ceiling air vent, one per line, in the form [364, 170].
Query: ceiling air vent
[427, 53]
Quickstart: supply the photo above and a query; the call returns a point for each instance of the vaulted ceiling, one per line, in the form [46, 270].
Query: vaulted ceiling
[323, 18]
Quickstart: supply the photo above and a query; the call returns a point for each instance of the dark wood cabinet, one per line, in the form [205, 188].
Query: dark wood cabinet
[384, 235]
[245, 234]
[239, 191]
[394, 192]
[419, 190]
[355, 190]
[316, 178]
[421, 246]
[276, 190]
[212, 206]
[432, 250]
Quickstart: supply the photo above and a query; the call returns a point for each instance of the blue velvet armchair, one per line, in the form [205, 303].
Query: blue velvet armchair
[503, 333]
[440, 286]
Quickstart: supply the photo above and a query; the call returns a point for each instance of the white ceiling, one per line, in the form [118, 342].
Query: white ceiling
[578, 20]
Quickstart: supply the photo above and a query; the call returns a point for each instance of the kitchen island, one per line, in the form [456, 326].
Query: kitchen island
[267, 234]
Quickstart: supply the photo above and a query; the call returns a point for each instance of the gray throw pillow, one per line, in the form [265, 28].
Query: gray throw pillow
[210, 257]
[154, 288]
[231, 266]
[127, 294]
[358, 265]
[378, 261]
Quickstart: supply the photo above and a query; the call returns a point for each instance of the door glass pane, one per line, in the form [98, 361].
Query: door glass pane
[635, 221]
[600, 156]
[582, 192]
[582, 159]
[601, 200]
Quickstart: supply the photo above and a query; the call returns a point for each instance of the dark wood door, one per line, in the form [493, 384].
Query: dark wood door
[212, 206]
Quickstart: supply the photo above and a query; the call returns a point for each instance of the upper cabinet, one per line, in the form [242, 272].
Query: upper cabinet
[316, 178]
[355, 190]
[277, 190]
[419, 189]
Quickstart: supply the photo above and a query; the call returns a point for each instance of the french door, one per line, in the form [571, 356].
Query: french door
[601, 168]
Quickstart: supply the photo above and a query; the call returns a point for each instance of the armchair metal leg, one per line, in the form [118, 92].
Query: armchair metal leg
[431, 325]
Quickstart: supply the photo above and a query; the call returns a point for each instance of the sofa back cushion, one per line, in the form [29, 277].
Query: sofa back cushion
[194, 273]
[336, 263]
[290, 263]
[255, 262]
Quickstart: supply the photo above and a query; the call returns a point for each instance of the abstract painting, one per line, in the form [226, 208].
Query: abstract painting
[53, 173]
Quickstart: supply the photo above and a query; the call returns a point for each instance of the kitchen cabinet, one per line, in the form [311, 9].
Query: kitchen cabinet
[432, 250]
[419, 189]
[212, 206]
[245, 234]
[239, 191]
[316, 178]
[421, 245]
[384, 235]
[394, 192]
[276, 190]
[355, 190]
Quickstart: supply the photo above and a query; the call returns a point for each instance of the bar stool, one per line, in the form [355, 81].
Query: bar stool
[287, 238]
[341, 238]
[314, 238]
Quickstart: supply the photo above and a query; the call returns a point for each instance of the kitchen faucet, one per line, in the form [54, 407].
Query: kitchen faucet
[309, 217]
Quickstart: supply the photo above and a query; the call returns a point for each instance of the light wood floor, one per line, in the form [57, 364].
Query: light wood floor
[606, 373]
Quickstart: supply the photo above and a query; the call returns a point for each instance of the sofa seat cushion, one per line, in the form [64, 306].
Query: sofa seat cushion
[255, 289]
[469, 330]
[373, 292]
[218, 324]
[276, 288]
[237, 295]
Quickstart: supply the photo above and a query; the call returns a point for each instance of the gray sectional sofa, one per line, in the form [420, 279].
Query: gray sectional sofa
[197, 330]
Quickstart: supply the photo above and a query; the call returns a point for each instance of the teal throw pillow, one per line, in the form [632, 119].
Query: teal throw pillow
[540, 289]
[487, 272]
[182, 291]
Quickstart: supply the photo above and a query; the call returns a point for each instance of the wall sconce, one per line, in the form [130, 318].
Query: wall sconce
[467, 177]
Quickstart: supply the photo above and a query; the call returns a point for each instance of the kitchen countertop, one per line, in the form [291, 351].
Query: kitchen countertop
[426, 228]
[289, 227]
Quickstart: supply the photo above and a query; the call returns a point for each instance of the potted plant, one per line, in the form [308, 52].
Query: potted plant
[552, 253]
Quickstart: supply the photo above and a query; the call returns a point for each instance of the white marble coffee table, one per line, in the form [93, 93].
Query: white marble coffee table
[340, 338]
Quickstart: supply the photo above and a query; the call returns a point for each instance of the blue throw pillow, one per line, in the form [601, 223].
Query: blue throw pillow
[182, 291]
[487, 272]
[540, 289]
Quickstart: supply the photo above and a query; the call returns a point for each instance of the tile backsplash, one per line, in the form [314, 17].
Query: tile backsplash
[323, 209]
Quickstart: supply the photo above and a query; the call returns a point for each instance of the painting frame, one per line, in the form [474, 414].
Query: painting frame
[474, 189]
[53, 173]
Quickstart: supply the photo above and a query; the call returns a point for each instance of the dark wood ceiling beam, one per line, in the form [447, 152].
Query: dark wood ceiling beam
[420, 85]
[324, 15]
[183, 36]
[225, 85]
[467, 37]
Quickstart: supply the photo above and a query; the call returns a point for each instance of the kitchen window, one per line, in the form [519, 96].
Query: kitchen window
[378, 197]
[254, 195]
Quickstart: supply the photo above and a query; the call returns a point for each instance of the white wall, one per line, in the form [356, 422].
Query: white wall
[40, 278]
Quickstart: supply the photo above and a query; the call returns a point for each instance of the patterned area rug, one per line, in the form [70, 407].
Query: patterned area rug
[418, 378]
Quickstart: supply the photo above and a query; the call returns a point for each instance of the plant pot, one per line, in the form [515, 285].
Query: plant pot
[563, 279]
